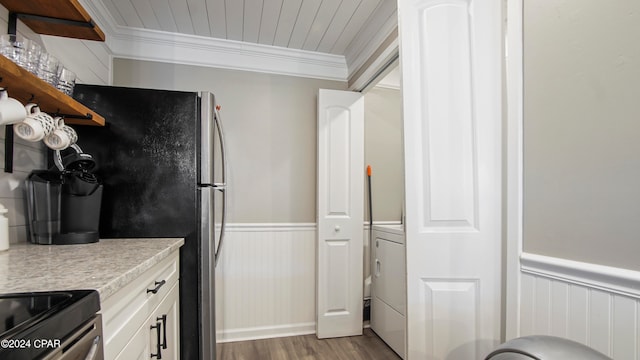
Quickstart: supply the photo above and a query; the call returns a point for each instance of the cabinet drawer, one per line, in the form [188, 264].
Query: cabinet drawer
[161, 283]
[125, 312]
[389, 325]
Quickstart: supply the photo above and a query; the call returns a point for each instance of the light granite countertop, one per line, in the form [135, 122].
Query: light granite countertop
[106, 266]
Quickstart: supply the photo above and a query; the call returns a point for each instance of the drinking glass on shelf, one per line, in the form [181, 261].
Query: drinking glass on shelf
[66, 81]
[33, 56]
[24, 52]
[13, 48]
[49, 68]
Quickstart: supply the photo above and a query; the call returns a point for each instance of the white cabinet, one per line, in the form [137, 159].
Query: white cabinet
[388, 286]
[164, 326]
[158, 335]
[138, 348]
[141, 320]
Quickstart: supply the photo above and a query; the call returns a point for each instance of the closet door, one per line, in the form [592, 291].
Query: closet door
[340, 213]
[451, 59]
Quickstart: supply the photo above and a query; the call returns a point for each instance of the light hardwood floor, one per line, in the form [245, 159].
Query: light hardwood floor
[308, 347]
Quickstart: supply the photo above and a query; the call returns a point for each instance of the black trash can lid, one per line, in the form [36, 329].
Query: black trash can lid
[544, 347]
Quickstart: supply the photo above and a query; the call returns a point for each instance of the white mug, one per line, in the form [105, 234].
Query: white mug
[36, 126]
[11, 110]
[62, 137]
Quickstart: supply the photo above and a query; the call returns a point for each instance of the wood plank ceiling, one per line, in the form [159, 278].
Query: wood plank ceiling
[325, 26]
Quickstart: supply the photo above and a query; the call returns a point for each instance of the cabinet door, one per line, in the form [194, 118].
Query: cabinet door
[138, 347]
[129, 309]
[163, 327]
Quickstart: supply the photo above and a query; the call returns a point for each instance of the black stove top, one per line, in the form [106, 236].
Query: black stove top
[18, 310]
[42, 316]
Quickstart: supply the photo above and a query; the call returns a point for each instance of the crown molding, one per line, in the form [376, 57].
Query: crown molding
[368, 41]
[161, 46]
[374, 48]
[380, 63]
[151, 45]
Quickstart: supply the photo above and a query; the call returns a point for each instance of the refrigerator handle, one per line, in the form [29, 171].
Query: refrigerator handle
[207, 119]
[223, 188]
[223, 223]
[218, 123]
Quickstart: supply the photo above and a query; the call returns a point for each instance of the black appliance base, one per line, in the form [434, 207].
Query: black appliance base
[73, 238]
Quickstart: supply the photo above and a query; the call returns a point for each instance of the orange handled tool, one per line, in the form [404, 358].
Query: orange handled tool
[370, 205]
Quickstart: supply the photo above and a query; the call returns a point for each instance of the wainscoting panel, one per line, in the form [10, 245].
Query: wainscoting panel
[595, 305]
[265, 282]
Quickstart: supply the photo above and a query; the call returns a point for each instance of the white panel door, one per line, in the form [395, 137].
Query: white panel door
[450, 53]
[340, 213]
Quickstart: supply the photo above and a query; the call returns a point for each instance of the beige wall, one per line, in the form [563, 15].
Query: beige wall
[270, 125]
[581, 130]
[383, 151]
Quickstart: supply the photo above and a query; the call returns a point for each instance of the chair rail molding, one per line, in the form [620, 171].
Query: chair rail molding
[610, 279]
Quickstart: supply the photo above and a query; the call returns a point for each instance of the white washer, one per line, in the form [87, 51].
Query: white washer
[388, 286]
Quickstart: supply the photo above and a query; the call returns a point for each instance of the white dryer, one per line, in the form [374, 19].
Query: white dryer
[388, 286]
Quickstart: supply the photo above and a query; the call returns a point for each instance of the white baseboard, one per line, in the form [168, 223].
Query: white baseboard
[265, 332]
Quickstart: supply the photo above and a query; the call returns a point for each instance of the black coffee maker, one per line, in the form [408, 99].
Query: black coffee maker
[64, 202]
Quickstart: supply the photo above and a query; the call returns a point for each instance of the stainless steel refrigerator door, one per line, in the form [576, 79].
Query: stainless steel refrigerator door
[213, 200]
[207, 225]
[214, 161]
[208, 275]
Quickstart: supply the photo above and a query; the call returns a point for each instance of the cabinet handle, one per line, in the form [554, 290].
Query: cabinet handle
[163, 318]
[158, 285]
[157, 355]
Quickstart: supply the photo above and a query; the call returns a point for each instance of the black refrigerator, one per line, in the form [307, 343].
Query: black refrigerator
[162, 162]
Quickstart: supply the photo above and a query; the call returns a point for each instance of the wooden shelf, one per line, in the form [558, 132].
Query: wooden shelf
[49, 12]
[26, 87]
